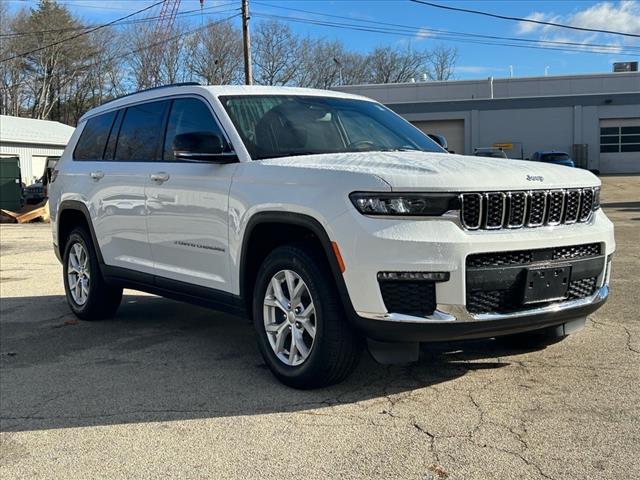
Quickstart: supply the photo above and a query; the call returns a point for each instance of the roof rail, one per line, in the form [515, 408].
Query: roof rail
[180, 84]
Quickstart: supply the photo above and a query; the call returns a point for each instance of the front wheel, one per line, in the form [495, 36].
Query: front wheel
[303, 333]
[88, 295]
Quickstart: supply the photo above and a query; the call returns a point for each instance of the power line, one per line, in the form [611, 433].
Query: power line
[450, 37]
[420, 30]
[186, 13]
[528, 20]
[73, 37]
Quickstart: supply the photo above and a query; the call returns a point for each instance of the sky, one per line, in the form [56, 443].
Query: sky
[414, 26]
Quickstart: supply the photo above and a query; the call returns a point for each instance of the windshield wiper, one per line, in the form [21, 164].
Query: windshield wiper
[400, 149]
[289, 154]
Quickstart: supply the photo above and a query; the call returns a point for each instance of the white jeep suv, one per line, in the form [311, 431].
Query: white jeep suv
[327, 219]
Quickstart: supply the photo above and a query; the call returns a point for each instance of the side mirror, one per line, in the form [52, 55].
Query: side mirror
[439, 139]
[201, 147]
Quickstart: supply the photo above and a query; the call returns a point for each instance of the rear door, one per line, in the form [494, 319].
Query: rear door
[117, 182]
[188, 203]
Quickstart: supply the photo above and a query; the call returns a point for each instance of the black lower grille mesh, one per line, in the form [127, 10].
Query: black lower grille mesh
[582, 288]
[523, 257]
[409, 298]
[577, 251]
[509, 300]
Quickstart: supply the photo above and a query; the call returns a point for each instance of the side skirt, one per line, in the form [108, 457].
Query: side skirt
[185, 292]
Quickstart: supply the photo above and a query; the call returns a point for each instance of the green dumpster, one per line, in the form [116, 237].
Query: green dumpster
[10, 184]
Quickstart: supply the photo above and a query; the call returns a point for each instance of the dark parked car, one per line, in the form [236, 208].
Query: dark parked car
[553, 156]
[491, 152]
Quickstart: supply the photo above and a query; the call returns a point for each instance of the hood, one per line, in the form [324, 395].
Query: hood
[445, 172]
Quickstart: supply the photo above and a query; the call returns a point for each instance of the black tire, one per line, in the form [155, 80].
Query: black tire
[103, 300]
[337, 347]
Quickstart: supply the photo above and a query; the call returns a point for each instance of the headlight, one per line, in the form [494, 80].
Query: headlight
[404, 204]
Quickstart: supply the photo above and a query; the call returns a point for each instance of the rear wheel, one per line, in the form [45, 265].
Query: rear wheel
[303, 333]
[88, 295]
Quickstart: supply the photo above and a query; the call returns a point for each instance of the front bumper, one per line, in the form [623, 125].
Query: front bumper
[372, 245]
[457, 324]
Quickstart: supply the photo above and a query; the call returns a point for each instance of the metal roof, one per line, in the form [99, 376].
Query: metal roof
[32, 131]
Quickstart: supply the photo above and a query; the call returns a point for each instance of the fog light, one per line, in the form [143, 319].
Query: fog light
[413, 276]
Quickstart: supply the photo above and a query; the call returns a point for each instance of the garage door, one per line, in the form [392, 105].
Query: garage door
[453, 130]
[620, 145]
[37, 167]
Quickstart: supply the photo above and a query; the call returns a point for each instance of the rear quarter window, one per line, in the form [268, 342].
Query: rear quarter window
[94, 137]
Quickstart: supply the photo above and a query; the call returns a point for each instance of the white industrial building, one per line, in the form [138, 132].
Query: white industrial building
[32, 141]
[595, 118]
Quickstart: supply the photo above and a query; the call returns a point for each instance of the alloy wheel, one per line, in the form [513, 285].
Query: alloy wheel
[289, 317]
[78, 274]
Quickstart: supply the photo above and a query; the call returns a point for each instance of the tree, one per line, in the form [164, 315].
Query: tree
[12, 75]
[391, 65]
[215, 54]
[441, 62]
[50, 59]
[276, 54]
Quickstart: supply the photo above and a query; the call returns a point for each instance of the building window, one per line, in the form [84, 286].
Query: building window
[619, 139]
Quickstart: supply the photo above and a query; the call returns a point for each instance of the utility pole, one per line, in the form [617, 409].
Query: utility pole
[246, 42]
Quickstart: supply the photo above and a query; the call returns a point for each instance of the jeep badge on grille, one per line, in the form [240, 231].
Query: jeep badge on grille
[535, 178]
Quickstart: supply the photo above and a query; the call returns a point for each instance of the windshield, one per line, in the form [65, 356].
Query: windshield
[284, 125]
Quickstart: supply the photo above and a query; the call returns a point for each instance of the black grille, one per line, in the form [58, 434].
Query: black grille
[582, 288]
[472, 210]
[572, 206]
[535, 208]
[523, 257]
[498, 259]
[494, 213]
[498, 301]
[587, 204]
[577, 251]
[555, 202]
[517, 209]
[409, 298]
[509, 300]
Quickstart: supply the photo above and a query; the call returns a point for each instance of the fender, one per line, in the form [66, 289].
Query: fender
[82, 208]
[317, 229]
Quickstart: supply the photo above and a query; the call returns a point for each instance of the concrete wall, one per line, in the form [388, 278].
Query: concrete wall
[502, 88]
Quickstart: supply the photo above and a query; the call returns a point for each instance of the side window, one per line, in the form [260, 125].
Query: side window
[94, 137]
[140, 138]
[189, 115]
[110, 149]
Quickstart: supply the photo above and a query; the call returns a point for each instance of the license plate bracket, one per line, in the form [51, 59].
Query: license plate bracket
[546, 284]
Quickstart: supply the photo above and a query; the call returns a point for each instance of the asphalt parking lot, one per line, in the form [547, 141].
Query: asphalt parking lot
[174, 391]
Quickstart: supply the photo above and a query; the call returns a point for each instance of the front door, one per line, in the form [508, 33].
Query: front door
[187, 204]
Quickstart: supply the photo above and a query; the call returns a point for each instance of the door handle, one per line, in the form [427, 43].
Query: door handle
[97, 175]
[159, 177]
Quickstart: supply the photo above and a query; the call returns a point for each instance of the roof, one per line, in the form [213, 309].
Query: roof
[32, 131]
[496, 89]
[216, 91]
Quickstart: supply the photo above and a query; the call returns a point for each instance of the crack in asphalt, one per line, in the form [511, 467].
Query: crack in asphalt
[627, 332]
